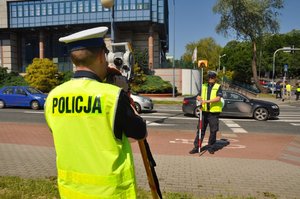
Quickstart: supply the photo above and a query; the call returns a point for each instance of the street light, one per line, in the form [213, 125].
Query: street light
[173, 92]
[286, 49]
[110, 4]
[220, 56]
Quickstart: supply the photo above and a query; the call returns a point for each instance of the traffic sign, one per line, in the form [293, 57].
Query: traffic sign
[285, 67]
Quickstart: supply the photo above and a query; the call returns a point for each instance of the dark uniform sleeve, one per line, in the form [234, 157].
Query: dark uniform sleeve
[127, 121]
[219, 92]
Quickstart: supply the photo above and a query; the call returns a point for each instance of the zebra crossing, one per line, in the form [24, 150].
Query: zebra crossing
[171, 118]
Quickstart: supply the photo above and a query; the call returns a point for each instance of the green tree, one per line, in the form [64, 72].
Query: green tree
[238, 60]
[42, 74]
[10, 79]
[207, 49]
[249, 19]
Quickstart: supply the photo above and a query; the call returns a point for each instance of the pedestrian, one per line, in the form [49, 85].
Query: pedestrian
[278, 90]
[210, 96]
[288, 90]
[297, 91]
[91, 122]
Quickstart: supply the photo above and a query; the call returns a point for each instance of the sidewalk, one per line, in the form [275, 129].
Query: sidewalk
[261, 170]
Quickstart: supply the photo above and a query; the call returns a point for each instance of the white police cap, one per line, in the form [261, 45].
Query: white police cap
[87, 38]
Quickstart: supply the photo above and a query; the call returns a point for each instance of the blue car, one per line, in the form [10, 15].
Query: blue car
[21, 96]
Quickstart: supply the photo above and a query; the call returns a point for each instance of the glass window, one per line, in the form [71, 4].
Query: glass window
[93, 6]
[74, 7]
[139, 4]
[86, 6]
[68, 7]
[44, 11]
[49, 8]
[26, 10]
[62, 8]
[125, 4]
[132, 4]
[37, 10]
[31, 10]
[20, 11]
[99, 6]
[80, 6]
[14, 11]
[8, 91]
[118, 5]
[55, 8]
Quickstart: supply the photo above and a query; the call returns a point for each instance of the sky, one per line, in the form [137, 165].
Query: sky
[195, 20]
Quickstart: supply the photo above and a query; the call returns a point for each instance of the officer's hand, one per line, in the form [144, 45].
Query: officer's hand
[199, 98]
[114, 76]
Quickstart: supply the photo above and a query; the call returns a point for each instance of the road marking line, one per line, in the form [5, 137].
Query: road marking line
[295, 124]
[239, 130]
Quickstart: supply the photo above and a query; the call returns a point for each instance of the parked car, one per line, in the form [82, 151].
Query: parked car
[237, 105]
[142, 103]
[21, 96]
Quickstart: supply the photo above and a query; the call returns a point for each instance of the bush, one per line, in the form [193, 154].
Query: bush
[155, 84]
[42, 74]
[11, 79]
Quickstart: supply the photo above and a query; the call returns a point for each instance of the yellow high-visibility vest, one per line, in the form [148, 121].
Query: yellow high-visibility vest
[91, 161]
[215, 106]
[288, 87]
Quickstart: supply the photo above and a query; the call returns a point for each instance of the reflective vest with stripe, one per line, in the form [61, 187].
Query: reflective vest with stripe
[215, 106]
[91, 162]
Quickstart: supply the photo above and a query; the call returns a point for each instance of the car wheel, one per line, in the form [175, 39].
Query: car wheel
[35, 105]
[197, 111]
[2, 104]
[137, 107]
[261, 114]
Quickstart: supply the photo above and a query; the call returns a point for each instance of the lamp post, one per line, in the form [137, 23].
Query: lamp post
[173, 92]
[286, 49]
[110, 4]
[220, 56]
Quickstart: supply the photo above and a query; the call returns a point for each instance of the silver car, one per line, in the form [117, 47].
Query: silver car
[142, 103]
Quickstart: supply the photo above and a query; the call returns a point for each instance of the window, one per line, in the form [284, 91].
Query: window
[68, 7]
[20, 11]
[80, 6]
[44, 11]
[55, 8]
[20, 91]
[74, 7]
[49, 6]
[37, 10]
[119, 4]
[86, 6]
[125, 4]
[132, 4]
[139, 4]
[31, 10]
[61, 8]
[14, 11]
[26, 10]
[8, 91]
[93, 6]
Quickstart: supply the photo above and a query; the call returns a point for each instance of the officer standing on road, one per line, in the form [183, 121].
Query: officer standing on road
[211, 93]
[91, 122]
[297, 91]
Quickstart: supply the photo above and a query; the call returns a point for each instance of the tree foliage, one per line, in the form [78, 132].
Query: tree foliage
[42, 74]
[207, 49]
[11, 79]
[249, 20]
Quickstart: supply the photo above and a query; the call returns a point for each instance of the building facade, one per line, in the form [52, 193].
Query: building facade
[31, 28]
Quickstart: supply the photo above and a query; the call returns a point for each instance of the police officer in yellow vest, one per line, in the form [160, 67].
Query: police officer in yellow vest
[91, 122]
[210, 96]
[297, 91]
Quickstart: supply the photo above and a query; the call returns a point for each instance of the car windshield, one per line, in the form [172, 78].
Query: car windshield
[33, 91]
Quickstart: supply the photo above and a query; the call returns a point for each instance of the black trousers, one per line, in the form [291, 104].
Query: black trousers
[211, 119]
